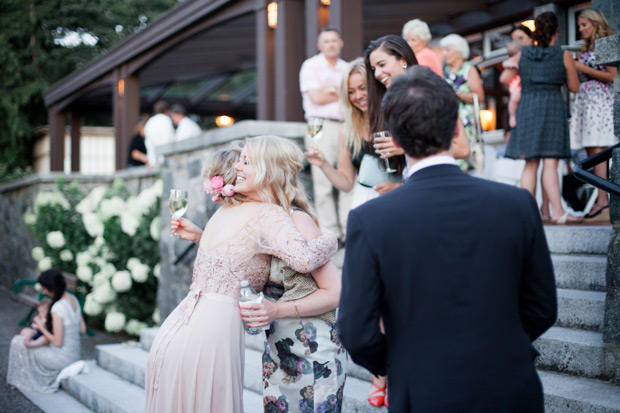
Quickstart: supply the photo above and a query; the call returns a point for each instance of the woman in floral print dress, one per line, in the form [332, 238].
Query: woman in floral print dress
[592, 125]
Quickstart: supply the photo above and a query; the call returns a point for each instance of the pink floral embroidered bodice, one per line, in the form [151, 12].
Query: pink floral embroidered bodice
[269, 231]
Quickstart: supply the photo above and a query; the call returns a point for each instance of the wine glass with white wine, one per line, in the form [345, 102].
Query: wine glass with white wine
[177, 202]
[315, 127]
[379, 137]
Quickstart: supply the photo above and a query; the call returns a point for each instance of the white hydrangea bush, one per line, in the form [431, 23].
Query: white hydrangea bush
[109, 240]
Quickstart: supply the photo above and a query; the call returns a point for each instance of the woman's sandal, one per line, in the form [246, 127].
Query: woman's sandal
[567, 218]
[378, 397]
[597, 213]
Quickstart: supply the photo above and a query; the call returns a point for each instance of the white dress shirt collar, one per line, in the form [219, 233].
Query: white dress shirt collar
[430, 161]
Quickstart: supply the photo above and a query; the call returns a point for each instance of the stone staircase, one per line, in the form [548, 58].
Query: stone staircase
[576, 368]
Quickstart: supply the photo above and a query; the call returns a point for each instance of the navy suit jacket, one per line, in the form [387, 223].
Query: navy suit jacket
[459, 270]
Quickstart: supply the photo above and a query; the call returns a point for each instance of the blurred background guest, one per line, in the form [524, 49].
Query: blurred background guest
[418, 36]
[137, 148]
[592, 119]
[158, 130]
[542, 128]
[185, 127]
[465, 79]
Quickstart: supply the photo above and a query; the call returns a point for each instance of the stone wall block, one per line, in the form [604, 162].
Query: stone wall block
[607, 52]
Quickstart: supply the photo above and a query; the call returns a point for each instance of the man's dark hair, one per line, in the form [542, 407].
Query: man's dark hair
[161, 106]
[178, 109]
[421, 110]
[330, 29]
[524, 29]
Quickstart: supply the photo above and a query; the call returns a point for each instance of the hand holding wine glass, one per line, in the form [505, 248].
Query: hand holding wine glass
[177, 202]
[383, 137]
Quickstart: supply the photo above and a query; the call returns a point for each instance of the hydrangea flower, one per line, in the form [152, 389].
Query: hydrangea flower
[155, 228]
[84, 273]
[156, 316]
[157, 270]
[104, 293]
[114, 322]
[37, 253]
[112, 207]
[121, 281]
[140, 273]
[55, 239]
[93, 224]
[83, 258]
[134, 327]
[92, 200]
[45, 264]
[30, 218]
[91, 306]
[129, 223]
[66, 255]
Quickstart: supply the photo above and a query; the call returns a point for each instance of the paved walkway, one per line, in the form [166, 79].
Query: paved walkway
[11, 312]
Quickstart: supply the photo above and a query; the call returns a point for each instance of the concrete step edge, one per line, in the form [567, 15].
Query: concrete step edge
[105, 392]
[568, 394]
[127, 362]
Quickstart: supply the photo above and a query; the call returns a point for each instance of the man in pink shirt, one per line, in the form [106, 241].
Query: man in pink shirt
[319, 79]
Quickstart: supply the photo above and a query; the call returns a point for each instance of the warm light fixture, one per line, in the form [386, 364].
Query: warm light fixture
[530, 24]
[272, 14]
[224, 120]
[121, 87]
[487, 119]
[326, 2]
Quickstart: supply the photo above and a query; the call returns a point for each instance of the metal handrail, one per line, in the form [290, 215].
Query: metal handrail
[592, 179]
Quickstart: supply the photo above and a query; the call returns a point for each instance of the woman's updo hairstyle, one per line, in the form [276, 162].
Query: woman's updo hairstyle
[53, 281]
[222, 163]
[546, 28]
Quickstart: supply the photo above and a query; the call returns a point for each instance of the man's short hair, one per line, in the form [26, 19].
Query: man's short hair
[329, 29]
[178, 109]
[161, 106]
[421, 110]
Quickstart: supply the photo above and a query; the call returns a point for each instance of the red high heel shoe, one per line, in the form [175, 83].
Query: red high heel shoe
[377, 397]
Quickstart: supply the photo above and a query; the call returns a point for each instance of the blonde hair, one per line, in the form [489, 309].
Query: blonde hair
[601, 27]
[355, 121]
[278, 162]
[222, 163]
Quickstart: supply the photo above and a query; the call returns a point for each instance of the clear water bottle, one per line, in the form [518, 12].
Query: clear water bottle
[248, 295]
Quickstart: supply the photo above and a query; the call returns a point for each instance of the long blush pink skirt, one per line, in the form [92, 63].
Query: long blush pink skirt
[198, 366]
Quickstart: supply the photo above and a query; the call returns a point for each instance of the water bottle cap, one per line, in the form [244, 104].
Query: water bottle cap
[245, 283]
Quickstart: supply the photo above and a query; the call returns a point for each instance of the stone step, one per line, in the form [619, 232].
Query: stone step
[58, 402]
[147, 335]
[567, 394]
[580, 272]
[127, 362]
[576, 352]
[581, 309]
[105, 392]
[578, 239]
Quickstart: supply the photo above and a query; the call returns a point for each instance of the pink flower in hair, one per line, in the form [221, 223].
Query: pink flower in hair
[217, 183]
[228, 190]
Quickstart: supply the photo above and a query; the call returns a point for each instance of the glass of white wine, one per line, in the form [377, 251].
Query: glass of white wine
[315, 127]
[378, 138]
[177, 202]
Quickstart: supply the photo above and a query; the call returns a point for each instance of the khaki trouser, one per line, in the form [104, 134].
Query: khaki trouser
[332, 206]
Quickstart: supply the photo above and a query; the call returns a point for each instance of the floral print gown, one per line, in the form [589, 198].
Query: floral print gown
[458, 81]
[197, 358]
[304, 364]
[592, 121]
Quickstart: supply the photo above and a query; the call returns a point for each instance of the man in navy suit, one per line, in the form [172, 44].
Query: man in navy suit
[458, 268]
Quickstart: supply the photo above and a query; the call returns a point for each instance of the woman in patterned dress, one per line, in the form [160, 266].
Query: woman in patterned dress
[197, 359]
[591, 124]
[542, 128]
[465, 80]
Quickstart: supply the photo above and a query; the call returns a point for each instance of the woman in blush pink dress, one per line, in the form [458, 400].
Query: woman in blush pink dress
[197, 359]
